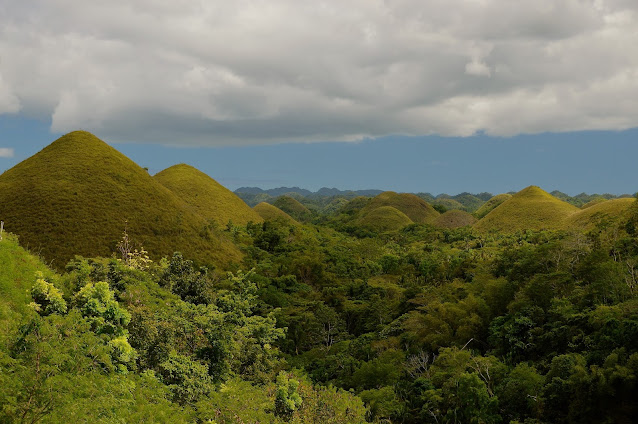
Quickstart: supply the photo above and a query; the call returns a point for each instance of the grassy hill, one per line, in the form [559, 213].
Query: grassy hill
[17, 275]
[355, 205]
[489, 206]
[448, 203]
[74, 196]
[454, 219]
[210, 199]
[609, 210]
[593, 202]
[384, 219]
[415, 208]
[293, 208]
[269, 212]
[531, 208]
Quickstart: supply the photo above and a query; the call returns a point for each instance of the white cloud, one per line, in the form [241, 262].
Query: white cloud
[6, 152]
[213, 72]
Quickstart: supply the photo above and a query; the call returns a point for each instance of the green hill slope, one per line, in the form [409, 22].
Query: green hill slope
[448, 203]
[417, 209]
[454, 219]
[609, 210]
[491, 204]
[209, 198]
[17, 275]
[269, 212]
[530, 209]
[355, 205]
[74, 196]
[293, 208]
[383, 219]
[593, 202]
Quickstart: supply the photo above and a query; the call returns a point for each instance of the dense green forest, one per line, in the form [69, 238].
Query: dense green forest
[381, 309]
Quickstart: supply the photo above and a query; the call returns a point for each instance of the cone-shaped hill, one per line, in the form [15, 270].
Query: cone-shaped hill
[609, 210]
[384, 219]
[74, 196]
[210, 199]
[454, 218]
[530, 209]
[293, 208]
[491, 204]
[269, 212]
[355, 205]
[415, 208]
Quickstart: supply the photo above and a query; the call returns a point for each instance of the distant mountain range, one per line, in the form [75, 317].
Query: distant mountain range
[323, 192]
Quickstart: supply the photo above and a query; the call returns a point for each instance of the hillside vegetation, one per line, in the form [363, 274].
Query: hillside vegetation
[358, 315]
[491, 204]
[454, 219]
[76, 196]
[416, 209]
[269, 212]
[530, 209]
[608, 212]
[293, 208]
[210, 199]
[383, 219]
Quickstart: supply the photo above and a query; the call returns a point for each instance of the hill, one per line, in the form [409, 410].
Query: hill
[454, 219]
[355, 205]
[75, 196]
[210, 199]
[384, 219]
[593, 202]
[269, 212]
[608, 210]
[492, 203]
[293, 208]
[448, 203]
[530, 209]
[417, 209]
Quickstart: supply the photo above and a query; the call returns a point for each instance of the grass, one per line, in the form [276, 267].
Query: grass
[448, 203]
[593, 202]
[74, 197]
[454, 219]
[293, 208]
[271, 213]
[491, 204]
[415, 208]
[209, 198]
[384, 219]
[17, 275]
[355, 205]
[530, 209]
[609, 210]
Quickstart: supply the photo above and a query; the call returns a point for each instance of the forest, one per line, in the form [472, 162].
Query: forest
[376, 309]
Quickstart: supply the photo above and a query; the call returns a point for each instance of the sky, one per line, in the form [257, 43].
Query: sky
[408, 95]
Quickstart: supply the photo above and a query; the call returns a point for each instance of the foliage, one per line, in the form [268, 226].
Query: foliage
[47, 299]
[336, 323]
[287, 400]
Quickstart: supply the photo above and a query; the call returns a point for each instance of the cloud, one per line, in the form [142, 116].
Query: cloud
[250, 72]
[6, 152]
